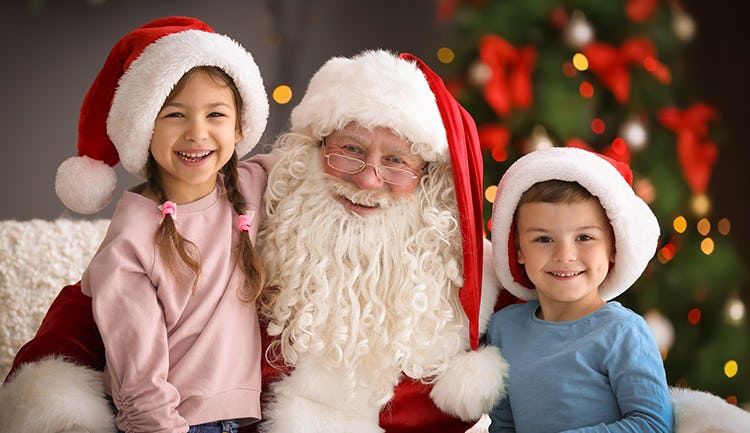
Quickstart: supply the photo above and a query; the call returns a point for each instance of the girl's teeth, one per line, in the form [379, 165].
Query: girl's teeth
[191, 155]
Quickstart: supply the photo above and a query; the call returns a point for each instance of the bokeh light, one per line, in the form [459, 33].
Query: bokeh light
[707, 246]
[680, 224]
[282, 94]
[731, 368]
[580, 62]
[445, 55]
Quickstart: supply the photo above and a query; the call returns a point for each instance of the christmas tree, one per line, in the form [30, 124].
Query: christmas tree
[610, 76]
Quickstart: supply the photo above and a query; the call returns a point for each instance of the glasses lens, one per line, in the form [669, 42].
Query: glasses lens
[396, 176]
[344, 163]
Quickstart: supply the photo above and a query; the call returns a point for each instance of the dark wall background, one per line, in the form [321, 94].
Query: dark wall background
[53, 49]
[720, 70]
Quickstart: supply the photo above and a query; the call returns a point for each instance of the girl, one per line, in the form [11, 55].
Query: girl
[175, 280]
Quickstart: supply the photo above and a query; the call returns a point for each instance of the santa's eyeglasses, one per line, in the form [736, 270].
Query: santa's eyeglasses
[349, 165]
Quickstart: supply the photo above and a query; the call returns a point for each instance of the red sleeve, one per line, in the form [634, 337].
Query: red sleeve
[68, 329]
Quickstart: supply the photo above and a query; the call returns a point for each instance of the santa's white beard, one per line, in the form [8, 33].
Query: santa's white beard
[368, 297]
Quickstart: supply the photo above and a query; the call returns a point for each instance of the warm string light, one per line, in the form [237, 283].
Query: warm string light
[700, 204]
[489, 193]
[703, 226]
[724, 226]
[445, 55]
[731, 368]
[580, 62]
[282, 94]
[679, 224]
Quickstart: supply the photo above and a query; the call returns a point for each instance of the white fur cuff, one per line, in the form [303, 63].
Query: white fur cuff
[472, 385]
[701, 412]
[54, 395]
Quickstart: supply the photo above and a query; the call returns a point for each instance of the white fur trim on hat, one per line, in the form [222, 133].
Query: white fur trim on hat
[490, 288]
[144, 87]
[374, 88]
[85, 185]
[635, 227]
[472, 384]
[54, 395]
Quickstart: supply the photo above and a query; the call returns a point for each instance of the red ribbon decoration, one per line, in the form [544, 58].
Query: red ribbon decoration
[640, 10]
[494, 138]
[696, 153]
[611, 64]
[510, 82]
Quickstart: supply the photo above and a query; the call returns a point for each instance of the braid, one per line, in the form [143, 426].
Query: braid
[167, 238]
[249, 260]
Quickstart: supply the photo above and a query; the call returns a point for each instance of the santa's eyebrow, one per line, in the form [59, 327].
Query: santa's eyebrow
[359, 138]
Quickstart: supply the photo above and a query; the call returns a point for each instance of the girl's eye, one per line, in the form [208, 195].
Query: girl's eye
[543, 239]
[217, 114]
[584, 238]
[174, 114]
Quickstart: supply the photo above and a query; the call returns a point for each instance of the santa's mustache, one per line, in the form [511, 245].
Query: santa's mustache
[358, 196]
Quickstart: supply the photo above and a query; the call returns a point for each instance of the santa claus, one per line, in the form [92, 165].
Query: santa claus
[374, 252]
[374, 246]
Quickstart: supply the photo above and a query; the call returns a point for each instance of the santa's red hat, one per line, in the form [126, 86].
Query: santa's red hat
[119, 110]
[400, 92]
[636, 230]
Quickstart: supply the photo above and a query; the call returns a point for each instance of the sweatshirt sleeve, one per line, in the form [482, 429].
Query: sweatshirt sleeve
[128, 313]
[638, 380]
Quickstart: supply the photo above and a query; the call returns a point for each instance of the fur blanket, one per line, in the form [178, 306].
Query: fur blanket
[38, 258]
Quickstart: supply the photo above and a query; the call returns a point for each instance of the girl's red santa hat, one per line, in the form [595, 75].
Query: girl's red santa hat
[636, 230]
[119, 110]
[400, 92]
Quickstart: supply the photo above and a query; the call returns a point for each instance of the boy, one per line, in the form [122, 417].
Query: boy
[576, 236]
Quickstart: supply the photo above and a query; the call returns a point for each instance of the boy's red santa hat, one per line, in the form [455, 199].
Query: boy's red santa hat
[119, 110]
[636, 230]
[400, 92]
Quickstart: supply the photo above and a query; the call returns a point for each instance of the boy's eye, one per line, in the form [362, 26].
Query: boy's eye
[543, 239]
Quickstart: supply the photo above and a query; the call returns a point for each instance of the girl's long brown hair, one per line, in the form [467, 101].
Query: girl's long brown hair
[172, 244]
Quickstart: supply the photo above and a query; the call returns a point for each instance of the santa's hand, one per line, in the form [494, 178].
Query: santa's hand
[472, 384]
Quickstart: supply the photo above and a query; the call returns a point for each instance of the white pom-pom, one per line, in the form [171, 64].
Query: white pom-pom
[472, 384]
[85, 185]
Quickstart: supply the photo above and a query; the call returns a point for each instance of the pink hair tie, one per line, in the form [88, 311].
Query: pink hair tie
[244, 222]
[168, 208]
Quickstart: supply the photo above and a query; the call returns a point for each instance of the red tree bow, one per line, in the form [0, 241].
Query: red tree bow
[696, 153]
[610, 64]
[510, 82]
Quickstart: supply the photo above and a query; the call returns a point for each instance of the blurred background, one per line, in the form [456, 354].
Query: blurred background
[657, 83]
